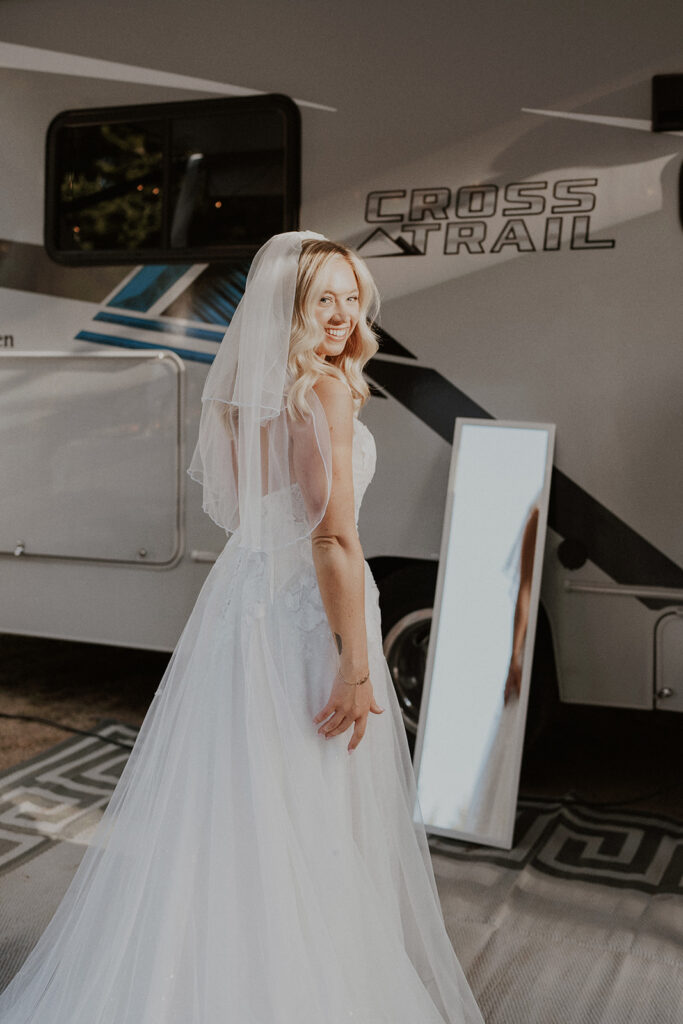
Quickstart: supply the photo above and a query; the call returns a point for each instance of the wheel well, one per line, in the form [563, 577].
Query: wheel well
[384, 565]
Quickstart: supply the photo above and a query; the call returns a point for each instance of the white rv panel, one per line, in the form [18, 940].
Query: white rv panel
[90, 456]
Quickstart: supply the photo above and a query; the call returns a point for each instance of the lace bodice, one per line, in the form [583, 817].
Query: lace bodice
[364, 461]
[291, 558]
[292, 568]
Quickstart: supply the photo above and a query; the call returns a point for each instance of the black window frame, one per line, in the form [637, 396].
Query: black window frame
[166, 113]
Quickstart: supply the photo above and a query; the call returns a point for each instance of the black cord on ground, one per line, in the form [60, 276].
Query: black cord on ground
[568, 800]
[68, 728]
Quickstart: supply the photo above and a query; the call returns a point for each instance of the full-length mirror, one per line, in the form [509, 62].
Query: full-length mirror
[471, 727]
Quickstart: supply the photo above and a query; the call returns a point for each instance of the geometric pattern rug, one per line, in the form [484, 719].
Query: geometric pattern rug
[59, 794]
[581, 922]
[623, 849]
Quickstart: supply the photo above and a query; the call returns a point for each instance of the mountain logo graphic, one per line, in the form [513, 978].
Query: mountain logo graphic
[379, 243]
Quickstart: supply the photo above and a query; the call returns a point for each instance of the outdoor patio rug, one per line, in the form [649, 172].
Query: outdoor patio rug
[580, 923]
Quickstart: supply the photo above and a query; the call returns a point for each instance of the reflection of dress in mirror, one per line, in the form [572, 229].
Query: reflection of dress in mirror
[488, 811]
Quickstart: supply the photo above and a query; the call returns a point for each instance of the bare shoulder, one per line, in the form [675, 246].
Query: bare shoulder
[332, 387]
[336, 399]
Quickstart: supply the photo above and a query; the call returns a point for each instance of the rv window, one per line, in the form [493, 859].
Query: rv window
[198, 180]
[227, 179]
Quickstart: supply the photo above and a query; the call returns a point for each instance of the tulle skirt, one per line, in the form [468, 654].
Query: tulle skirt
[246, 870]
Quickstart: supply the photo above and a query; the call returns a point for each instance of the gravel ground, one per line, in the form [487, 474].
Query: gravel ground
[71, 683]
[602, 755]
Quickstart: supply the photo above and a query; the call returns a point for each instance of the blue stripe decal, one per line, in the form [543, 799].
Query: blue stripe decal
[213, 297]
[104, 339]
[160, 325]
[148, 285]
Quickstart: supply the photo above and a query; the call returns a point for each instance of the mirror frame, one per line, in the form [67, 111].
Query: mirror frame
[505, 840]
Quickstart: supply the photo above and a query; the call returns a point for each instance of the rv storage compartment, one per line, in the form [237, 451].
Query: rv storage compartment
[89, 457]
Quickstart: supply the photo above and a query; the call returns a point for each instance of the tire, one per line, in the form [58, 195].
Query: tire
[407, 605]
[544, 698]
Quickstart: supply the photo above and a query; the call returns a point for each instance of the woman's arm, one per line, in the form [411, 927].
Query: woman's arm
[337, 551]
[340, 568]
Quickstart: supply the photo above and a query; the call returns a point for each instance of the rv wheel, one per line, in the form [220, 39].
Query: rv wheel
[407, 602]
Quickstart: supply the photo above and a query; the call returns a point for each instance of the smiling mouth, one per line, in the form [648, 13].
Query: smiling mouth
[336, 332]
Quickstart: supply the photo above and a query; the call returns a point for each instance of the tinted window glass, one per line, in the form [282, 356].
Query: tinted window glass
[110, 186]
[197, 180]
[227, 180]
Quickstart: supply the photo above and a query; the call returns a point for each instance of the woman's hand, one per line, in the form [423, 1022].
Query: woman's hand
[348, 704]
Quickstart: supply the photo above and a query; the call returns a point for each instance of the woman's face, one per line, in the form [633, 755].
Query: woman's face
[335, 301]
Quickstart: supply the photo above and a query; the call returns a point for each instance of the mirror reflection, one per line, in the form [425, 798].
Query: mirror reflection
[471, 726]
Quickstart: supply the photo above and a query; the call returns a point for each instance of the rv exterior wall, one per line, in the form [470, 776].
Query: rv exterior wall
[495, 166]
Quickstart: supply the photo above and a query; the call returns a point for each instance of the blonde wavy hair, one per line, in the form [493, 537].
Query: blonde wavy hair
[304, 365]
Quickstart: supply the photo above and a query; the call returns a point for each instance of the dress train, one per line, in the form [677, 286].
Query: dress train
[246, 870]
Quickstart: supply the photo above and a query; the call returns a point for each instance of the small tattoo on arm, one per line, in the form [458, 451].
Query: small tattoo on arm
[339, 642]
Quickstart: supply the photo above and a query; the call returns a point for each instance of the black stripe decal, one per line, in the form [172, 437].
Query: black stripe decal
[573, 513]
[28, 268]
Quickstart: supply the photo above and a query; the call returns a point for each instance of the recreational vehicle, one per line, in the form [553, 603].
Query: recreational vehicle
[516, 194]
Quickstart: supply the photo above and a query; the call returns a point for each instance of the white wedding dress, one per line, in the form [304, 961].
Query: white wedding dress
[247, 870]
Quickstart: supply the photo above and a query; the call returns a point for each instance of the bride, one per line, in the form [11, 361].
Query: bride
[263, 859]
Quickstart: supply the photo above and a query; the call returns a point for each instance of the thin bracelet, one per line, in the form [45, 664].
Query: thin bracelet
[365, 677]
